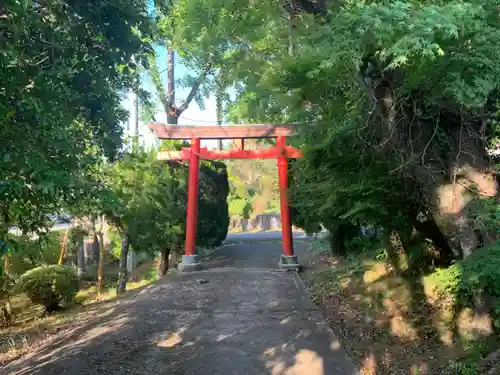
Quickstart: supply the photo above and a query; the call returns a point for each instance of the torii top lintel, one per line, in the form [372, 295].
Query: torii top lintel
[221, 132]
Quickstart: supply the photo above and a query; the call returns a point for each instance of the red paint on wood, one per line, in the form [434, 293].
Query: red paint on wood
[192, 204]
[205, 154]
[286, 223]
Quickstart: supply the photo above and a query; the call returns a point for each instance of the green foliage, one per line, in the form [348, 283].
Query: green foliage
[433, 63]
[448, 280]
[6, 287]
[29, 253]
[147, 199]
[361, 244]
[487, 217]
[62, 67]
[254, 185]
[49, 285]
[476, 276]
[213, 209]
[348, 186]
[172, 145]
[469, 363]
[320, 246]
[115, 243]
[240, 207]
[459, 368]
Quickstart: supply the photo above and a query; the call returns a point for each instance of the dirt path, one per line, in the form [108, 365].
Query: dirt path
[240, 316]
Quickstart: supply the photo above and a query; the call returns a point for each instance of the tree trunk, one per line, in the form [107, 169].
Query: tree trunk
[80, 258]
[341, 232]
[101, 257]
[172, 116]
[454, 197]
[6, 263]
[172, 120]
[444, 153]
[163, 263]
[122, 267]
[7, 311]
[4, 247]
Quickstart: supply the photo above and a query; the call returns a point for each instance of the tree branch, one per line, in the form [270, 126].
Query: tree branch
[157, 82]
[170, 79]
[194, 90]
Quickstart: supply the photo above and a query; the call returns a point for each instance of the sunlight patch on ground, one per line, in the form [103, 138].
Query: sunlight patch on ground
[305, 362]
[393, 325]
[172, 339]
[94, 333]
[335, 346]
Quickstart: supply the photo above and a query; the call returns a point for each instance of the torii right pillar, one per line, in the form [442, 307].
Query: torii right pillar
[288, 259]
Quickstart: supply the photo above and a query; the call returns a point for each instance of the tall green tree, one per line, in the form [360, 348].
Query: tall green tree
[174, 40]
[62, 67]
[146, 202]
[148, 209]
[416, 82]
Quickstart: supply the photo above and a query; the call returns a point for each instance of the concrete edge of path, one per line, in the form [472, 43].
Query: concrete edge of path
[321, 318]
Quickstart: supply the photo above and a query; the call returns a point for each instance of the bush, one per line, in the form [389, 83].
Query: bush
[213, 209]
[320, 246]
[476, 276]
[361, 244]
[30, 253]
[115, 243]
[49, 285]
[240, 207]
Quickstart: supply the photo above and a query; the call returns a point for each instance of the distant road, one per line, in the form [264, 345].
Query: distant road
[231, 237]
[57, 226]
[261, 236]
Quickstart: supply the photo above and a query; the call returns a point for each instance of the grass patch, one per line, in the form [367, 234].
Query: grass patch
[143, 275]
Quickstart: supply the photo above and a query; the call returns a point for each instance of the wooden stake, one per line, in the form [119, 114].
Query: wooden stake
[64, 246]
[101, 257]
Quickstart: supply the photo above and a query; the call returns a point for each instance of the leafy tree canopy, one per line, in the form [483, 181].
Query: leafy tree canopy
[147, 202]
[63, 65]
[398, 96]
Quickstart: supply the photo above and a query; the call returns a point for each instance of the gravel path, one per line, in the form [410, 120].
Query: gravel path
[241, 316]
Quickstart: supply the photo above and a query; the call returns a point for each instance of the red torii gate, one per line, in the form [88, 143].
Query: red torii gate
[194, 153]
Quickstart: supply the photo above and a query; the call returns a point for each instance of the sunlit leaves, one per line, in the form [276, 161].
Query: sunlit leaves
[62, 67]
[148, 202]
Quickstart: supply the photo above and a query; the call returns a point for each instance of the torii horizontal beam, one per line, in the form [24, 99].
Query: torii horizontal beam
[221, 132]
[206, 154]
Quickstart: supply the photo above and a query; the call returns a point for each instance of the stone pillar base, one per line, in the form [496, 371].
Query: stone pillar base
[289, 263]
[189, 263]
[131, 261]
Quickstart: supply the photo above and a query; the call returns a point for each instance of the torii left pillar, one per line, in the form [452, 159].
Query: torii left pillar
[190, 259]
